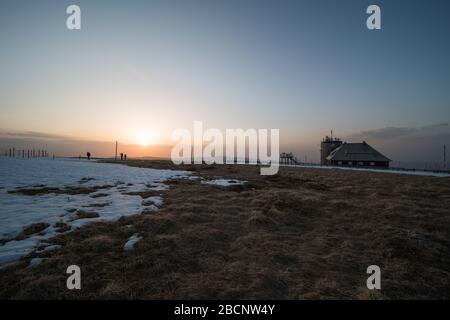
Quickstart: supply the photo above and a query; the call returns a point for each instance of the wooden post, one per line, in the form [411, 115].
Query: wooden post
[115, 155]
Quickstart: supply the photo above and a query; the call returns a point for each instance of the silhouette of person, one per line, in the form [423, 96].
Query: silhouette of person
[121, 156]
[125, 156]
[88, 154]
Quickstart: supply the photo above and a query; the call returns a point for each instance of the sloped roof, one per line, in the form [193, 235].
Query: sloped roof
[356, 152]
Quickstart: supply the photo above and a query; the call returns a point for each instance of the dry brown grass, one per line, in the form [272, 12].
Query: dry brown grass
[82, 214]
[96, 205]
[66, 190]
[32, 229]
[61, 227]
[302, 234]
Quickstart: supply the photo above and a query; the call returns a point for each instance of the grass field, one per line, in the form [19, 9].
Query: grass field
[301, 234]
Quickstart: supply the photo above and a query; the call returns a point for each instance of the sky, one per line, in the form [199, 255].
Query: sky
[137, 70]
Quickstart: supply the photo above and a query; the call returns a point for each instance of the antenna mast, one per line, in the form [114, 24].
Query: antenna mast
[445, 159]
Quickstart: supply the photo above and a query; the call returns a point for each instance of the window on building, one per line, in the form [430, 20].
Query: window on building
[372, 163]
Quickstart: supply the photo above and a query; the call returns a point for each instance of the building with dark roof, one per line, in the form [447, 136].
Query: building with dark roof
[336, 152]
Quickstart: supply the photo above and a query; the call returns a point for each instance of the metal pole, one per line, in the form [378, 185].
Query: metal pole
[445, 160]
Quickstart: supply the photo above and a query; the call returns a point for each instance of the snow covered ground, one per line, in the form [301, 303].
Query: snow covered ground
[224, 182]
[18, 211]
[407, 172]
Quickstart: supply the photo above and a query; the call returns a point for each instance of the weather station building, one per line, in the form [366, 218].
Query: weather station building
[334, 151]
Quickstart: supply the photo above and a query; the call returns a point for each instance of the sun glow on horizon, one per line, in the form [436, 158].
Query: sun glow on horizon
[145, 137]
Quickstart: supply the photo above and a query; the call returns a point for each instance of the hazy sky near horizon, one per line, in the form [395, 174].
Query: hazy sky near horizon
[139, 69]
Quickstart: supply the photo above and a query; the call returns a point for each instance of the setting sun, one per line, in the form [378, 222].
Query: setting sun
[145, 137]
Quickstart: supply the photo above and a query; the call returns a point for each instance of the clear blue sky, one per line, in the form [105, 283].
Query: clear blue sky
[302, 66]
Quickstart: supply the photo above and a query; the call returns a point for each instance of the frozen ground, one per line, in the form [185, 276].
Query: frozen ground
[110, 202]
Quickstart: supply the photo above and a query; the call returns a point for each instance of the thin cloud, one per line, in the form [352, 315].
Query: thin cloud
[33, 135]
[61, 145]
[435, 126]
[389, 133]
[383, 133]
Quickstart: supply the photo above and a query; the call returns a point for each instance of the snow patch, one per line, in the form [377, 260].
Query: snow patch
[50, 248]
[112, 181]
[149, 209]
[131, 242]
[35, 262]
[224, 182]
[406, 172]
[156, 201]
